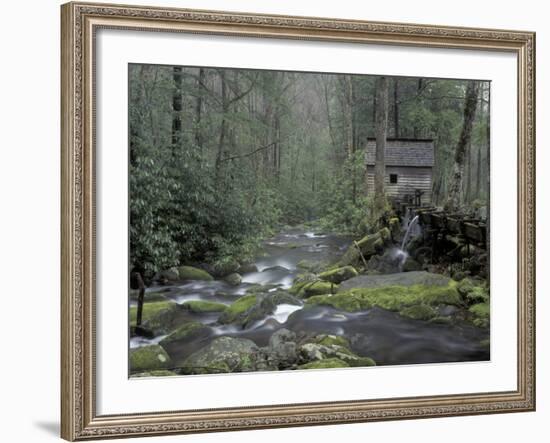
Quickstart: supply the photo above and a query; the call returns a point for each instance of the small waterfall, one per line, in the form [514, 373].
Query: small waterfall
[410, 227]
[401, 253]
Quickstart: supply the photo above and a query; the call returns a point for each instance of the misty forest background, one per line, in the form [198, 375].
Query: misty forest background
[222, 158]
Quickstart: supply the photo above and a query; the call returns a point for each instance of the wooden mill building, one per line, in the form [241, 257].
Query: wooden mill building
[409, 168]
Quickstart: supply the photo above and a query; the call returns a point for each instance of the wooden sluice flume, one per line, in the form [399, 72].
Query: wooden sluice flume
[466, 230]
[456, 240]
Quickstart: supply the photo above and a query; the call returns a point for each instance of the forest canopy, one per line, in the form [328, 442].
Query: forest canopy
[220, 158]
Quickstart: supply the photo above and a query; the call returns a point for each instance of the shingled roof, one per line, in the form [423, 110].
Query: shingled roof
[403, 152]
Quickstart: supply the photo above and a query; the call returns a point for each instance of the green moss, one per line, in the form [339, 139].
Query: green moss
[478, 295]
[480, 310]
[393, 298]
[325, 363]
[338, 275]
[150, 310]
[328, 340]
[233, 279]
[191, 273]
[471, 292]
[204, 306]
[480, 314]
[184, 332]
[255, 288]
[300, 281]
[317, 288]
[149, 358]
[238, 308]
[418, 312]
[385, 234]
[361, 362]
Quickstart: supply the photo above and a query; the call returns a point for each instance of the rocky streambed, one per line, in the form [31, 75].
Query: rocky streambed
[310, 300]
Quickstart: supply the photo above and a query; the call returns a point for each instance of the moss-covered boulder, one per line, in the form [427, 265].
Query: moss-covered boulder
[224, 354]
[331, 340]
[338, 275]
[150, 296]
[233, 279]
[237, 310]
[396, 279]
[419, 312]
[318, 288]
[191, 273]
[148, 358]
[185, 332]
[368, 246]
[159, 317]
[480, 314]
[201, 306]
[393, 298]
[312, 351]
[325, 364]
[300, 281]
[255, 307]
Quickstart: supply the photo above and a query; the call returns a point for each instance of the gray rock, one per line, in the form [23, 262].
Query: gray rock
[224, 354]
[282, 348]
[234, 279]
[149, 358]
[247, 268]
[411, 265]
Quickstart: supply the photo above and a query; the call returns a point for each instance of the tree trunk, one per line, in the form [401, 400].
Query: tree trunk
[348, 137]
[381, 131]
[419, 87]
[396, 107]
[198, 109]
[176, 107]
[223, 125]
[478, 173]
[348, 115]
[470, 105]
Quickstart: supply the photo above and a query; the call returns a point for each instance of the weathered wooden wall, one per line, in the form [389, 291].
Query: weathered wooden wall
[408, 180]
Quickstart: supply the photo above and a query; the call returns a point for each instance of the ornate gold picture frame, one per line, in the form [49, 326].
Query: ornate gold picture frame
[80, 23]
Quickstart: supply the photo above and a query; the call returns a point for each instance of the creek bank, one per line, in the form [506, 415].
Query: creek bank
[313, 301]
[285, 351]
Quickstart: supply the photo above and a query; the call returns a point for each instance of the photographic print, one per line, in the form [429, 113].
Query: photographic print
[293, 221]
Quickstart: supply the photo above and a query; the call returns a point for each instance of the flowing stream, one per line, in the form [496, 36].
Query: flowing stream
[383, 335]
